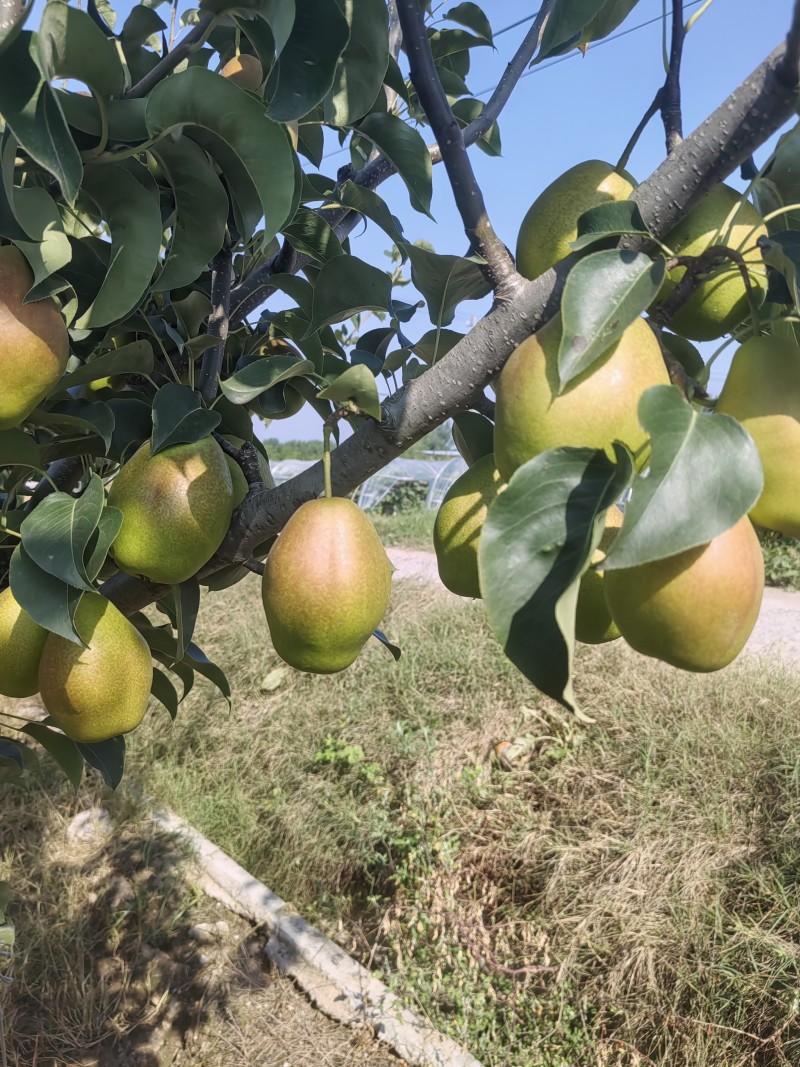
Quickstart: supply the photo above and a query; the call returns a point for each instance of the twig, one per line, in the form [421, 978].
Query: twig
[466, 191]
[217, 323]
[193, 40]
[652, 111]
[254, 565]
[671, 93]
[696, 267]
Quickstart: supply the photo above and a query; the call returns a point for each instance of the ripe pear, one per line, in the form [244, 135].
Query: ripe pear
[176, 508]
[696, 609]
[245, 71]
[21, 644]
[34, 344]
[551, 223]
[326, 586]
[593, 622]
[458, 526]
[101, 691]
[720, 304]
[595, 409]
[762, 391]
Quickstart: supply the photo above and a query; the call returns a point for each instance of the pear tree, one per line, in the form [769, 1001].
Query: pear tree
[176, 265]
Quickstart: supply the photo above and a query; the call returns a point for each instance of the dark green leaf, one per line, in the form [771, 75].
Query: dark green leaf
[473, 435]
[71, 45]
[63, 751]
[125, 118]
[133, 424]
[108, 757]
[50, 249]
[136, 357]
[704, 474]
[566, 24]
[18, 449]
[278, 14]
[179, 418]
[394, 80]
[405, 148]
[249, 382]
[304, 71]
[49, 601]
[685, 353]
[311, 142]
[187, 604]
[446, 43]
[362, 65]
[387, 644]
[10, 223]
[355, 388]
[613, 13]
[436, 343]
[10, 25]
[371, 206]
[310, 233]
[535, 544]
[164, 692]
[782, 251]
[56, 533]
[609, 220]
[198, 97]
[104, 536]
[77, 416]
[140, 25]
[346, 285]
[445, 281]
[467, 110]
[603, 294]
[202, 665]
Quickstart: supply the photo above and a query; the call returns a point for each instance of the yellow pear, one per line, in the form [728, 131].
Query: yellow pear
[595, 409]
[245, 71]
[101, 691]
[34, 344]
[176, 508]
[696, 609]
[21, 644]
[719, 304]
[326, 586]
[458, 526]
[762, 391]
[593, 622]
[551, 223]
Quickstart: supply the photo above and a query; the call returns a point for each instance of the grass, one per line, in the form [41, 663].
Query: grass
[781, 560]
[406, 528]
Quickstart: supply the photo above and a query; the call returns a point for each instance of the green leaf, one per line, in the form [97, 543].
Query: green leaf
[780, 185]
[102, 540]
[63, 751]
[448, 43]
[125, 118]
[57, 533]
[405, 148]
[71, 45]
[535, 544]
[254, 379]
[471, 16]
[140, 25]
[186, 597]
[10, 223]
[362, 65]
[346, 285]
[613, 14]
[387, 644]
[704, 474]
[278, 14]
[603, 294]
[179, 418]
[199, 194]
[108, 757]
[609, 220]
[782, 251]
[356, 389]
[49, 601]
[202, 665]
[445, 281]
[50, 249]
[78, 416]
[136, 357]
[436, 343]
[133, 424]
[304, 71]
[566, 24]
[373, 207]
[198, 97]
[467, 110]
[310, 233]
[164, 692]
[33, 114]
[473, 435]
[18, 449]
[128, 200]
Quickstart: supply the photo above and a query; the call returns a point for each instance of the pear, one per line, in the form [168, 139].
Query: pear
[34, 344]
[551, 223]
[762, 391]
[696, 609]
[21, 644]
[458, 526]
[326, 586]
[176, 508]
[719, 304]
[245, 71]
[593, 622]
[596, 408]
[101, 691]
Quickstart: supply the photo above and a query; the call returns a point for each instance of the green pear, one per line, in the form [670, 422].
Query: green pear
[596, 408]
[326, 586]
[458, 525]
[762, 391]
[21, 644]
[696, 609]
[34, 344]
[719, 304]
[101, 691]
[593, 622]
[551, 223]
[176, 508]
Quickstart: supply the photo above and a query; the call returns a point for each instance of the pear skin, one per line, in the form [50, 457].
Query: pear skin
[326, 586]
[694, 610]
[21, 644]
[245, 71]
[101, 691]
[458, 525]
[593, 622]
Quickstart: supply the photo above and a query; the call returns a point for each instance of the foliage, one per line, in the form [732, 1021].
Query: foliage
[781, 560]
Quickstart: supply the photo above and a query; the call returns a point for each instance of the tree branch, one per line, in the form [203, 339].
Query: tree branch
[671, 93]
[791, 61]
[217, 323]
[652, 111]
[750, 115]
[184, 48]
[63, 475]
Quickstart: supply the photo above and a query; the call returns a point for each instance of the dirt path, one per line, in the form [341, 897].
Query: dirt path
[777, 632]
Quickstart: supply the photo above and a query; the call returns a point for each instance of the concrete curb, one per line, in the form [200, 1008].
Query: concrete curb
[338, 985]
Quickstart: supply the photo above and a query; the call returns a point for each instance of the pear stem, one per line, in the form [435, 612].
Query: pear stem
[327, 432]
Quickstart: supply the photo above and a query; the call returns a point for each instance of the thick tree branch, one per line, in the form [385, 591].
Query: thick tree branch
[750, 115]
[217, 324]
[181, 51]
[791, 60]
[63, 475]
[466, 191]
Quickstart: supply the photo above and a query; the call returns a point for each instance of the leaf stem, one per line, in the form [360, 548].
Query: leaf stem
[327, 433]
